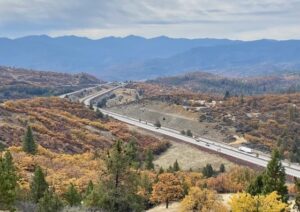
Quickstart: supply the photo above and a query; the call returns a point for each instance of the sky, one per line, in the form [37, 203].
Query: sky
[233, 19]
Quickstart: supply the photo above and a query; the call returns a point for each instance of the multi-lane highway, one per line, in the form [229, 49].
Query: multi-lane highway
[251, 158]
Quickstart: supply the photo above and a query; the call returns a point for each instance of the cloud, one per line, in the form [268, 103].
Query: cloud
[176, 18]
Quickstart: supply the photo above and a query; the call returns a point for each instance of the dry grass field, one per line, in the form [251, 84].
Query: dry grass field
[189, 157]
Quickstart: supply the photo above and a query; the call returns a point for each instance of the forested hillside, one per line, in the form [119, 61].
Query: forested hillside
[217, 84]
[65, 127]
[23, 83]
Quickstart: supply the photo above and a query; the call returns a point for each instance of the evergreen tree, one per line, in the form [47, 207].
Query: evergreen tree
[50, 202]
[29, 145]
[226, 95]
[99, 114]
[208, 171]
[157, 124]
[297, 197]
[8, 182]
[38, 185]
[222, 168]
[72, 196]
[256, 186]
[161, 170]
[274, 177]
[89, 189]
[149, 160]
[189, 133]
[132, 152]
[118, 192]
[176, 167]
[170, 169]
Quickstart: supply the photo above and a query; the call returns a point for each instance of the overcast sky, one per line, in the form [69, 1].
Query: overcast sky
[234, 19]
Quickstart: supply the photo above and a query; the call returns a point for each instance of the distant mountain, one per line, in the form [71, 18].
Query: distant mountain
[211, 83]
[98, 57]
[133, 57]
[255, 58]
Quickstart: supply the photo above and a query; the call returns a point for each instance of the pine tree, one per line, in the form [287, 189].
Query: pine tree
[50, 202]
[8, 182]
[176, 167]
[38, 185]
[208, 171]
[29, 145]
[99, 114]
[222, 168]
[118, 192]
[274, 177]
[189, 133]
[149, 160]
[157, 124]
[297, 197]
[72, 196]
[161, 170]
[132, 153]
[89, 189]
[256, 186]
[226, 95]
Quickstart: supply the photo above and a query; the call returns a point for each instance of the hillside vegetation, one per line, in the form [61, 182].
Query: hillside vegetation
[210, 83]
[66, 127]
[22, 83]
[266, 121]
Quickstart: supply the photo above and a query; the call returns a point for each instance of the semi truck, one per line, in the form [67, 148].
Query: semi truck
[245, 149]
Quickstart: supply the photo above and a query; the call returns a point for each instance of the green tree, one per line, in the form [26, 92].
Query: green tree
[38, 185]
[189, 133]
[157, 124]
[161, 170]
[89, 189]
[99, 114]
[222, 168]
[118, 192]
[208, 171]
[176, 167]
[297, 197]
[132, 152]
[50, 202]
[256, 186]
[226, 95]
[29, 145]
[72, 196]
[274, 177]
[149, 160]
[8, 182]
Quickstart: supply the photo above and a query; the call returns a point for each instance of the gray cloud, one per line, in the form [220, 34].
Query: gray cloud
[247, 19]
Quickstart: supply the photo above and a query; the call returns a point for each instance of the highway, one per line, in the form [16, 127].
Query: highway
[251, 158]
[83, 89]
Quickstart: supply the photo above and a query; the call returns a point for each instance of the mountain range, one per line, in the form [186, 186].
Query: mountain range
[136, 58]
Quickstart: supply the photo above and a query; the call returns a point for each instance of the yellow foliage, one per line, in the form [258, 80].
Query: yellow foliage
[60, 169]
[202, 200]
[244, 202]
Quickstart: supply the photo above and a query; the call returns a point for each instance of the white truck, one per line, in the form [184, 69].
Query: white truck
[245, 149]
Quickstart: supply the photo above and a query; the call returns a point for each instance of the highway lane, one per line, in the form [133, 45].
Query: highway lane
[83, 89]
[252, 158]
